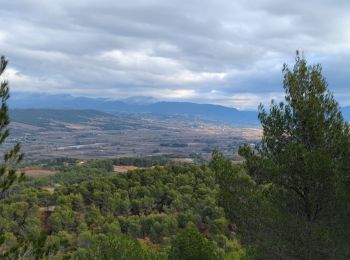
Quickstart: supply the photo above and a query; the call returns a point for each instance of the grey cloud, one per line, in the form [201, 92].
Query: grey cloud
[174, 49]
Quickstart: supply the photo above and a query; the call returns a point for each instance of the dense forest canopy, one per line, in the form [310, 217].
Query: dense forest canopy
[150, 206]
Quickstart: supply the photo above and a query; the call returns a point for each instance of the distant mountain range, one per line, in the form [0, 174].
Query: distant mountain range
[208, 112]
[141, 104]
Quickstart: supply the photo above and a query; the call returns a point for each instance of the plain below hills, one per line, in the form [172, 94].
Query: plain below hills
[55, 133]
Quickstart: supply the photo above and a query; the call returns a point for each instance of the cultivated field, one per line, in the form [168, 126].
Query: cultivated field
[131, 135]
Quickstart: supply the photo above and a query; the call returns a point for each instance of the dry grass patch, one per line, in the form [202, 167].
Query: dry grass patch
[124, 168]
[37, 172]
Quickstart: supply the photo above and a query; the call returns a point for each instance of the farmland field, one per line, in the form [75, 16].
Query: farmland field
[46, 134]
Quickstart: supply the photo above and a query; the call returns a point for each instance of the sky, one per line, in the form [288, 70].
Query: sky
[227, 52]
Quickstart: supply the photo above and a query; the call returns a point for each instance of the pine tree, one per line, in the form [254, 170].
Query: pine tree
[304, 155]
[293, 201]
[12, 157]
[191, 245]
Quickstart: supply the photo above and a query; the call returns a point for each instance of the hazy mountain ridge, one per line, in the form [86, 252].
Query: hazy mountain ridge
[140, 104]
[210, 112]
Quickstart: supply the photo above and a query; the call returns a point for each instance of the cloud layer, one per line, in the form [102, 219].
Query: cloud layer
[214, 51]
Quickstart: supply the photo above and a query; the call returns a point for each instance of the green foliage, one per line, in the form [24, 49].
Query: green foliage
[142, 162]
[191, 245]
[116, 247]
[238, 195]
[8, 176]
[293, 202]
[95, 214]
[13, 156]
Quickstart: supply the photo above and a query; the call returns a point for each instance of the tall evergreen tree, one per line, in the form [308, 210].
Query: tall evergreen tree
[299, 174]
[13, 156]
[305, 155]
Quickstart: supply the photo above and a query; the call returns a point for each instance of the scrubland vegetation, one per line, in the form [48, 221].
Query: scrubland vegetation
[149, 208]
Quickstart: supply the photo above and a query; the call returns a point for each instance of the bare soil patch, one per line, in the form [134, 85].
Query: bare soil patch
[37, 172]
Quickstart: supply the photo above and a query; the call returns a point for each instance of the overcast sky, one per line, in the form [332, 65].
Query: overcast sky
[226, 52]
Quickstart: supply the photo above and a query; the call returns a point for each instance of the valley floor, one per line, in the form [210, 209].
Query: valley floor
[105, 136]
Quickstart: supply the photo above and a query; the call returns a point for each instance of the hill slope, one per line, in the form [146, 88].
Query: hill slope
[43, 117]
[68, 118]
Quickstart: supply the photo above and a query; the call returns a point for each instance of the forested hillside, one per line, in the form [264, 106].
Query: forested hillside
[87, 210]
